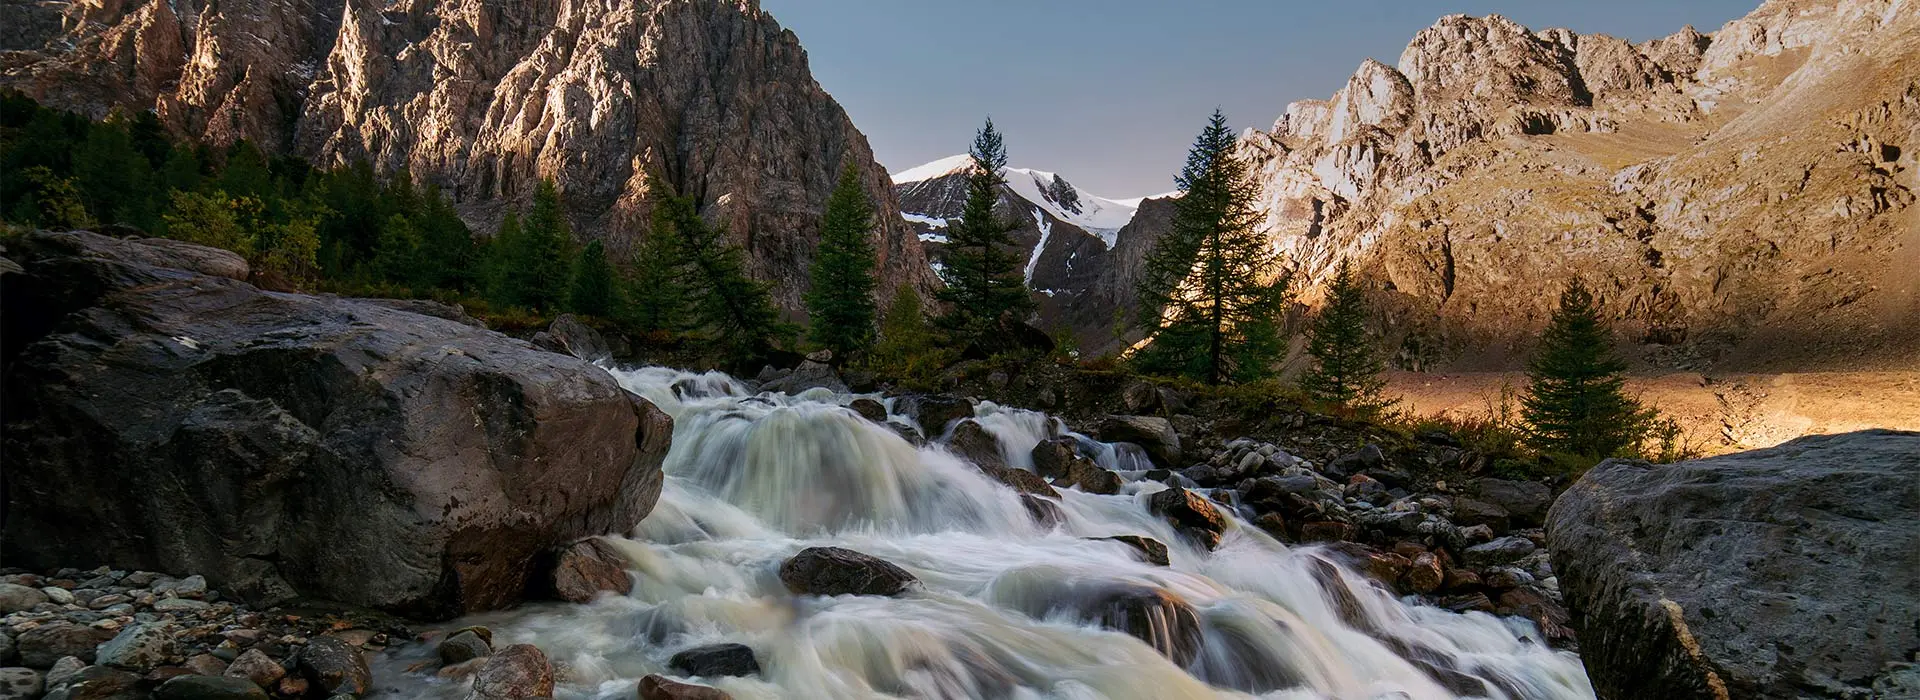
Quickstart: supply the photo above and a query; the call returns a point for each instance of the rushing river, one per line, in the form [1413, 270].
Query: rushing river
[752, 480]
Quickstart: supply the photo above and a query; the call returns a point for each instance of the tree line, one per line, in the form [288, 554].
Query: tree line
[1213, 296]
[1212, 299]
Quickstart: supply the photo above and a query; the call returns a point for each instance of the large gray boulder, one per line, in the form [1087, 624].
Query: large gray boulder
[290, 446]
[1788, 572]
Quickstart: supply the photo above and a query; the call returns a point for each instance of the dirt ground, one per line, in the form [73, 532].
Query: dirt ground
[1718, 413]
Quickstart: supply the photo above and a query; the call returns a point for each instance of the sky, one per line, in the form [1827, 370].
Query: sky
[1110, 93]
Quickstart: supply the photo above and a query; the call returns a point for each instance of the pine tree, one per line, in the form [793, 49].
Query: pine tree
[984, 282]
[728, 303]
[1346, 366]
[1211, 296]
[840, 301]
[593, 292]
[1576, 402]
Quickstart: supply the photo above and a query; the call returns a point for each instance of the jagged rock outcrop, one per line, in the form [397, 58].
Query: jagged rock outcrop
[290, 446]
[1787, 572]
[1729, 197]
[485, 98]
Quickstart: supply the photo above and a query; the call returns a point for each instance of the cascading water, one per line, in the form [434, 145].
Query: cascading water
[1006, 608]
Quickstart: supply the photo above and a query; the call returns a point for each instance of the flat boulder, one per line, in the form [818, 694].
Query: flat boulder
[292, 446]
[838, 571]
[934, 411]
[1787, 572]
[1151, 433]
[716, 660]
[658, 687]
[1525, 501]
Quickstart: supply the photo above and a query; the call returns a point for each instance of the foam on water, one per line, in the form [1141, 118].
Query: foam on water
[753, 479]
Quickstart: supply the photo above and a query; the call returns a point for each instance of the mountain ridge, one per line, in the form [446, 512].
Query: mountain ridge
[484, 99]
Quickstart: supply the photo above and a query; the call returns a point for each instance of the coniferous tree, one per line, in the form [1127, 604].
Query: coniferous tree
[840, 301]
[734, 307]
[593, 291]
[1576, 402]
[448, 251]
[397, 258]
[500, 281]
[908, 349]
[532, 264]
[1211, 296]
[1346, 366]
[655, 294]
[984, 283]
[114, 176]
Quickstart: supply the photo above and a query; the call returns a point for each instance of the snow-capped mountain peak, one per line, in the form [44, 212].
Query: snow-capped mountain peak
[1099, 216]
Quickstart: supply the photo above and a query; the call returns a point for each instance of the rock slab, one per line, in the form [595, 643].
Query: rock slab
[1788, 572]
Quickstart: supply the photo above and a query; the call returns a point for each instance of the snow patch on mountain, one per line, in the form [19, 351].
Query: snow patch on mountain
[929, 171]
[1099, 216]
[1046, 231]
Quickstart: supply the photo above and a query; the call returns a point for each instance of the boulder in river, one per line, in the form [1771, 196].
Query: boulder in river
[658, 687]
[335, 666]
[518, 672]
[972, 441]
[838, 571]
[1190, 513]
[716, 660]
[1152, 550]
[298, 446]
[1151, 433]
[1787, 572]
[588, 568]
[934, 411]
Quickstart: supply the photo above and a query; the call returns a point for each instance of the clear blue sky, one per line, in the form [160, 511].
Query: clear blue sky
[1110, 92]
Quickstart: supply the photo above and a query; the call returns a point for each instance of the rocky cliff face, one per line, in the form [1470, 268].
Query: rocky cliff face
[1739, 200]
[485, 98]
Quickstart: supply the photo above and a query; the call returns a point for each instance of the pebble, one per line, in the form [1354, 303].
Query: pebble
[170, 605]
[58, 595]
[20, 683]
[64, 670]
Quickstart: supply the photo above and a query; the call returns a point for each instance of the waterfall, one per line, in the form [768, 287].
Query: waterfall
[1007, 608]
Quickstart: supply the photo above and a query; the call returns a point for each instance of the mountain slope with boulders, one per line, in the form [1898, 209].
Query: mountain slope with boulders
[485, 99]
[1739, 199]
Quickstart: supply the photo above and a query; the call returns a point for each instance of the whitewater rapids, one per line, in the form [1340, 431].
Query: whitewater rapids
[753, 479]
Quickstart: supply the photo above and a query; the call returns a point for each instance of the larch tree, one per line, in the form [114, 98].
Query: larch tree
[727, 302]
[1212, 292]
